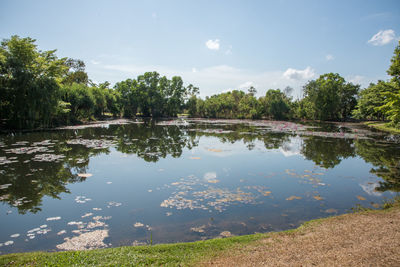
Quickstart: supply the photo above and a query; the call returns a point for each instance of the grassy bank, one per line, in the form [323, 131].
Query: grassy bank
[166, 255]
[175, 254]
[382, 126]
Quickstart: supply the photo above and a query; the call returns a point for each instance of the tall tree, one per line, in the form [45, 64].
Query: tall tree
[29, 90]
[330, 97]
[391, 106]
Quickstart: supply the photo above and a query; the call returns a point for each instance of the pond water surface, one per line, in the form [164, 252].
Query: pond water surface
[134, 182]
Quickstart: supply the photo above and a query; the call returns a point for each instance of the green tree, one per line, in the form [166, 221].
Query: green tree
[391, 106]
[330, 97]
[76, 73]
[369, 99]
[29, 83]
[275, 104]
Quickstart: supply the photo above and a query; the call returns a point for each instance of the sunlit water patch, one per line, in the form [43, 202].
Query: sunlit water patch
[135, 182]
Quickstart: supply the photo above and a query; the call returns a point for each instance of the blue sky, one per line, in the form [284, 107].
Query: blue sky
[216, 45]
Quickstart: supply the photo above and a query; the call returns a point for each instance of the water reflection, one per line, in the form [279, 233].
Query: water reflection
[43, 164]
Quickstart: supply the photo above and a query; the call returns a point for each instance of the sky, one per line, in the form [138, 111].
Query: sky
[215, 45]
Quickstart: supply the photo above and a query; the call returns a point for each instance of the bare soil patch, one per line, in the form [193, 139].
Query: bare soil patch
[361, 239]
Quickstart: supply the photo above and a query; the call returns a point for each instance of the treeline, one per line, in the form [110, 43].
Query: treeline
[329, 97]
[38, 89]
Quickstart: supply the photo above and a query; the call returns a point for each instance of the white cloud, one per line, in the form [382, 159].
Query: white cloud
[382, 37]
[154, 15]
[292, 147]
[369, 188]
[211, 80]
[293, 74]
[329, 57]
[213, 44]
[94, 62]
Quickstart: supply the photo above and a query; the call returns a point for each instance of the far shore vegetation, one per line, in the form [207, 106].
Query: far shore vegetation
[40, 90]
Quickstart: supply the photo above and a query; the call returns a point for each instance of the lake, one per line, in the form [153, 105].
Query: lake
[140, 182]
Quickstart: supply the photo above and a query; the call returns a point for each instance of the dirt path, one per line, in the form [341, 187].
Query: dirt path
[363, 239]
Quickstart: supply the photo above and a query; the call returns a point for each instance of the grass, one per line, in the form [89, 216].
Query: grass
[386, 127]
[179, 254]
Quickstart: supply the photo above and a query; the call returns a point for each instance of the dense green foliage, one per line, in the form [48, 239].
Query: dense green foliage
[381, 101]
[28, 83]
[37, 89]
[329, 98]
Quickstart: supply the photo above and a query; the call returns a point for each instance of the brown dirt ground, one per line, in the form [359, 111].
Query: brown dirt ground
[361, 239]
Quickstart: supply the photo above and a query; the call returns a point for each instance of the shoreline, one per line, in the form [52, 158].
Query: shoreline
[354, 228]
[381, 126]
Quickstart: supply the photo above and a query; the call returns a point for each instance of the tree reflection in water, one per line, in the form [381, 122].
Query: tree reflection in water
[24, 181]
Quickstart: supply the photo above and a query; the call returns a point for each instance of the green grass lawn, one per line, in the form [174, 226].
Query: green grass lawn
[167, 255]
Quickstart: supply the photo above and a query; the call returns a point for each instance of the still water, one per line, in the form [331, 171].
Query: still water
[136, 182]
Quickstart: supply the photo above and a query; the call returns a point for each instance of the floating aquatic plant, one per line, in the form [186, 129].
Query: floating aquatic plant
[85, 175]
[48, 157]
[293, 197]
[53, 218]
[89, 240]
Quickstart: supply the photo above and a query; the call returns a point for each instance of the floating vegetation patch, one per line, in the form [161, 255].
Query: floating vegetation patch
[92, 143]
[41, 230]
[318, 197]
[62, 232]
[210, 177]
[225, 234]
[208, 198]
[5, 186]
[331, 211]
[138, 224]
[308, 177]
[85, 241]
[214, 150]
[28, 150]
[5, 160]
[113, 204]
[198, 229]
[361, 198]
[53, 218]
[8, 243]
[212, 131]
[178, 122]
[293, 197]
[85, 175]
[101, 124]
[48, 157]
[82, 199]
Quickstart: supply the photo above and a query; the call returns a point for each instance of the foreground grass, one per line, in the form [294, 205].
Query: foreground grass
[382, 126]
[166, 255]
